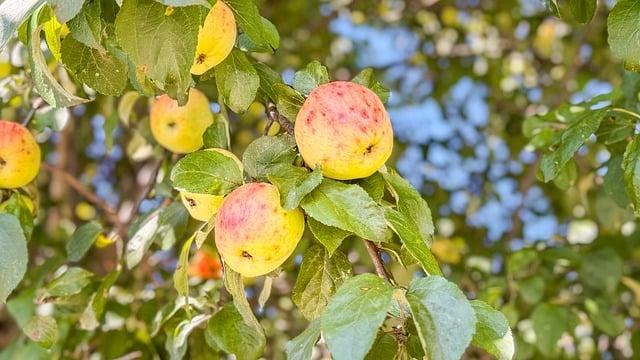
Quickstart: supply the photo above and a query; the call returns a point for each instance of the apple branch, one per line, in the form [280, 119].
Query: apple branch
[37, 104]
[374, 254]
[273, 115]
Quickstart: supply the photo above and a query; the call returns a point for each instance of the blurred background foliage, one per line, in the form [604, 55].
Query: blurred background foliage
[560, 259]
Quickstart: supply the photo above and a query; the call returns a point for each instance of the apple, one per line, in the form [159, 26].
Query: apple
[19, 155]
[201, 207]
[344, 128]
[205, 265]
[253, 233]
[216, 38]
[179, 129]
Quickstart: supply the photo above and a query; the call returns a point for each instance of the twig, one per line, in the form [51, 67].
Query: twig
[374, 254]
[274, 115]
[37, 103]
[84, 192]
[144, 193]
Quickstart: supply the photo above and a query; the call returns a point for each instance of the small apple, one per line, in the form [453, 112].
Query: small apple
[179, 129]
[205, 265]
[216, 38]
[344, 127]
[253, 233]
[19, 155]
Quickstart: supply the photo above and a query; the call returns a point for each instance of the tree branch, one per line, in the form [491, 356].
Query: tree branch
[374, 254]
[37, 104]
[144, 193]
[273, 115]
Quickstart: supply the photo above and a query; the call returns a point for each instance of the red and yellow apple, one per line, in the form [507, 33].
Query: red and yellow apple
[344, 128]
[253, 233]
[205, 265]
[216, 38]
[19, 155]
[179, 129]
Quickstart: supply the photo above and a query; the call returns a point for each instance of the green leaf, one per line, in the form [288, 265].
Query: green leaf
[216, 135]
[176, 343]
[613, 179]
[583, 10]
[65, 10]
[531, 289]
[82, 239]
[320, 274]
[329, 236]
[631, 168]
[237, 81]
[71, 282]
[46, 85]
[185, 2]
[550, 321]
[268, 79]
[269, 33]
[13, 262]
[586, 123]
[374, 186]
[172, 224]
[289, 101]
[602, 269]
[412, 240]
[601, 316]
[89, 320]
[88, 27]
[385, 347]
[163, 45]
[235, 286]
[294, 183]
[442, 315]
[309, 78]
[492, 331]
[301, 347]
[266, 153]
[180, 276]
[367, 78]
[12, 14]
[351, 320]
[206, 172]
[231, 334]
[98, 69]
[624, 39]
[17, 206]
[43, 330]
[348, 207]
[250, 21]
[411, 204]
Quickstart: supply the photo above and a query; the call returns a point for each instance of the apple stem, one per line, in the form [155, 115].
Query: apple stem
[273, 115]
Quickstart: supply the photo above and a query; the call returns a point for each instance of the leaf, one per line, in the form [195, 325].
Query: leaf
[613, 179]
[348, 207]
[550, 321]
[329, 236]
[309, 78]
[602, 269]
[180, 276]
[52, 32]
[82, 239]
[442, 315]
[237, 81]
[583, 10]
[71, 282]
[250, 21]
[43, 330]
[320, 274]
[162, 45]
[17, 206]
[492, 331]
[267, 152]
[411, 204]
[46, 85]
[624, 40]
[231, 334]
[374, 186]
[268, 79]
[586, 123]
[98, 69]
[172, 225]
[351, 320]
[185, 2]
[367, 78]
[177, 344]
[88, 27]
[216, 135]
[412, 240]
[234, 284]
[631, 169]
[13, 262]
[385, 347]
[12, 14]
[289, 101]
[206, 172]
[301, 347]
[65, 10]
[608, 322]
[89, 320]
[269, 33]
[141, 240]
[294, 183]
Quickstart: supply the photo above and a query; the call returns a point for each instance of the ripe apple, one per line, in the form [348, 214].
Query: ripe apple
[19, 155]
[215, 39]
[205, 265]
[253, 233]
[179, 129]
[344, 128]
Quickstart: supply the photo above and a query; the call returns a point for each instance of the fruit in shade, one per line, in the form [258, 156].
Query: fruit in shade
[254, 234]
[201, 207]
[179, 129]
[344, 128]
[205, 265]
[19, 155]
[216, 38]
